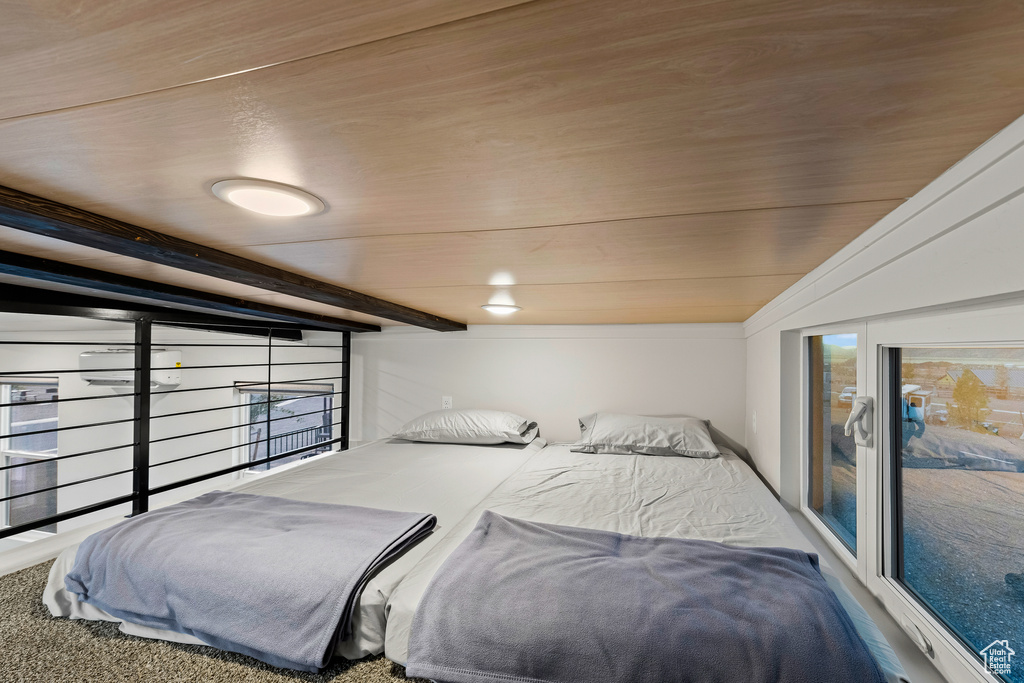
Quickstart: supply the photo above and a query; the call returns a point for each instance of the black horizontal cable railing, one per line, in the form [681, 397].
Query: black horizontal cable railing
[56, 458]
[235, 468]
[255, 403]
[246, 384]
[40, 432]
[244, 424]
[64, 400]
[55, 487]
[27, 373]
[248, 426]
[223, 450]
[242, 365]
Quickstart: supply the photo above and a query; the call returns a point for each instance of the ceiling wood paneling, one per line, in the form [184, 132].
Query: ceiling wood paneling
[596, 314]
[651, 301]
[765, 242]
[66, 53]
[745, 243]
[578, 145]
[551, 113]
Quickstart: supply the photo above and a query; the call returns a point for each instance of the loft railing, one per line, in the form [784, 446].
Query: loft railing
[123, 445]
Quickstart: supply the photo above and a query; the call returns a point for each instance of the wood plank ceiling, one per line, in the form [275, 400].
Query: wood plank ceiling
[619, 162]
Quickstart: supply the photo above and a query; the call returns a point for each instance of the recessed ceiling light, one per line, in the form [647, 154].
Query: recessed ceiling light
[267, 198]
[501, 309]
[502, 278]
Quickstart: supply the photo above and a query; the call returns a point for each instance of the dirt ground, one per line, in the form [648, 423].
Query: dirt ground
[964, 531]
[933, 446]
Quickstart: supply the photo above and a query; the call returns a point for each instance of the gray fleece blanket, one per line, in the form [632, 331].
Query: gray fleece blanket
[540, 603]
[272, 578]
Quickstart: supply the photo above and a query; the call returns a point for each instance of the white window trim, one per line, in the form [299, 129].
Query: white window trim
[241, 431]
[857, 564]
[5, 453]
[996, 324]
[950, 655]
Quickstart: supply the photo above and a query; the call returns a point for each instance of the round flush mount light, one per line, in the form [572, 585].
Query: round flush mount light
[267, 198]
[501, 309]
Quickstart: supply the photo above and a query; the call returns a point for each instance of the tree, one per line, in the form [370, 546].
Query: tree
[970, 402]
[262, 403]
[907, 373]
[1002, 381]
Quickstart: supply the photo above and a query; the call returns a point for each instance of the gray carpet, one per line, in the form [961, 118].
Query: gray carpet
[37, 647]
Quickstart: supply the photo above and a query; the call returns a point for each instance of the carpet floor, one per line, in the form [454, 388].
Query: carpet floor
[35, 647]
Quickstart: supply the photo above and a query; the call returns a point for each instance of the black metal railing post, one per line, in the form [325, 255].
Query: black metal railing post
[346, 373]
[270, 379]
[140, 455]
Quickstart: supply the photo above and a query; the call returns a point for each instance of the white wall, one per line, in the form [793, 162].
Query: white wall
[958, 242]
[552, 374]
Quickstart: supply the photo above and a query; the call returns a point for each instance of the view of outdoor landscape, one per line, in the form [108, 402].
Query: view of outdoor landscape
[295, 420]
[833, 484]
[963, 490]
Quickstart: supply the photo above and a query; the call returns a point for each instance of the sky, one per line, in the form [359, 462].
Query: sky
[845, 341]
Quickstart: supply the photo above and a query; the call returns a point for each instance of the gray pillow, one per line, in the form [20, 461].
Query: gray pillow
[625, 434]
[469, 427]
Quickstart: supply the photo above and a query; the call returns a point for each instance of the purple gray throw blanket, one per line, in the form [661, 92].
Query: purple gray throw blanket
[272, 578]
[540, 603]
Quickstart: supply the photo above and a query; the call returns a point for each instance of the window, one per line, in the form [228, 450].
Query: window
[27, 443]
[956, 427]
[832, 456]
[287, 417]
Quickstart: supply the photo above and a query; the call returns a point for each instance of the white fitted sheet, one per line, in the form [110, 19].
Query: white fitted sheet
[718, 499]
[446, 480]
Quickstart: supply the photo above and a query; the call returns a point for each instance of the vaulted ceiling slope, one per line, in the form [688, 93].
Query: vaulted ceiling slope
[629, 162]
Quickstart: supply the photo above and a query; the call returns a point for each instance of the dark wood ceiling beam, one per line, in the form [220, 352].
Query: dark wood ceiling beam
[35, 301]
[47, 270]
[41, 216]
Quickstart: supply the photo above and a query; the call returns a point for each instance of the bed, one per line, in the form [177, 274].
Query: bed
[446, 480]
[717, 499]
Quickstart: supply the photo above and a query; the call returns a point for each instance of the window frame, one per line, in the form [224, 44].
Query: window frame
[990, 324]
[855, 562]
[6, 397]
[947, 647]
[242, 445]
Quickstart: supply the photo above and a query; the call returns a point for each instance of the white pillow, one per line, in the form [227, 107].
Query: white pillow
[469, 427]
[625, 434]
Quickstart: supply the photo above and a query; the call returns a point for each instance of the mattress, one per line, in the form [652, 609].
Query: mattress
[719, 499]
[443, 479]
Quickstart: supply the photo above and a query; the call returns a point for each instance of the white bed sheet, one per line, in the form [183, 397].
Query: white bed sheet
[719, 499]
[443, 479]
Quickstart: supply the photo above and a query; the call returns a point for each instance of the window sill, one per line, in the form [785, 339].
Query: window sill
[918, 666]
